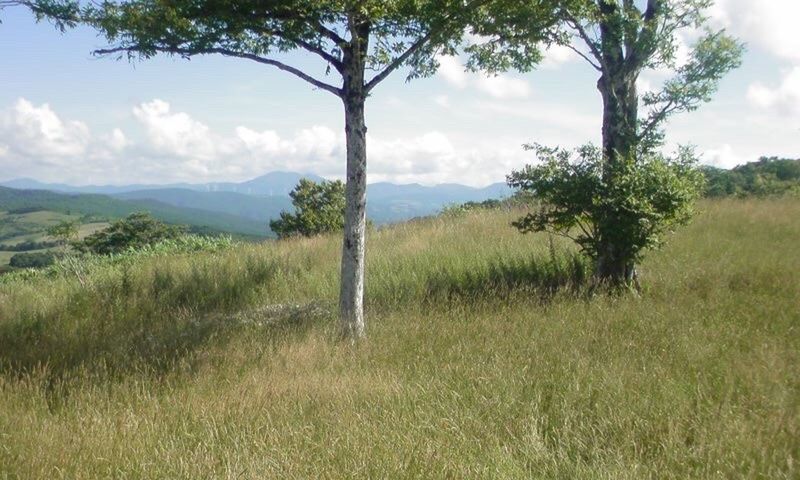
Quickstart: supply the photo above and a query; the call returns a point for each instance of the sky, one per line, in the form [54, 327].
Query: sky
[66, 116]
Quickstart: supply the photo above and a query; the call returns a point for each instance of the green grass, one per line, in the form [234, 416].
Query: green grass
[482, 360]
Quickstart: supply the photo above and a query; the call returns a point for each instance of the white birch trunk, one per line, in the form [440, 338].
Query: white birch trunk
[351, 295]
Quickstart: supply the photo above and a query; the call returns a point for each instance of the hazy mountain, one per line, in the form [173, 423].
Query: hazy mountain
[255, 207]
[275, 183]
[103, 206]
[263, 198]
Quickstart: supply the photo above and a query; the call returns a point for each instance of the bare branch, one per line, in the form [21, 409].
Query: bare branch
[584, 35]
[585, 57]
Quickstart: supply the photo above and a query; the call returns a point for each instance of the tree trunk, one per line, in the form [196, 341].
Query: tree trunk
[351, 294]
[615, 264]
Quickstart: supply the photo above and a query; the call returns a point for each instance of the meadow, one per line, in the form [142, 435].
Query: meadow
[16, 228]
[485, 358]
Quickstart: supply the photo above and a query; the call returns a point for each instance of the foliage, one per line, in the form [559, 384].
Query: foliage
[32, 260]
[459, 209]
[319, 208]
[24, 210]
[27, 245]
[621, 38]
[399, 33]
[137, 230]
[767, 176]
[648, 198]
[64, 231]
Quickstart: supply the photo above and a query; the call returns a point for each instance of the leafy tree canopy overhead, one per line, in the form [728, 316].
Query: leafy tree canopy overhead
[398, 33]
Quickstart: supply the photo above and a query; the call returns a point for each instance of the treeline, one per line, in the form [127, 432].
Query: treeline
[27, 246]
[767, 176]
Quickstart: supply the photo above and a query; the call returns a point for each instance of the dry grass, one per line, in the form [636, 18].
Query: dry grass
[150, 372]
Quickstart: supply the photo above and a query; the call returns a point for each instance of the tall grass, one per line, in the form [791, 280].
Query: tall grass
[481, 362]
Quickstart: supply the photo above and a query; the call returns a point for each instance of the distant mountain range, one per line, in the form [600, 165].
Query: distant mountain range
[247, 207]
[272, 184]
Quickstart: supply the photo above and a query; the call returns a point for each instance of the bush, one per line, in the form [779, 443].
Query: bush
[137, 230]
[27, 246]
[24, 210]
[613, 211]
[32, 260]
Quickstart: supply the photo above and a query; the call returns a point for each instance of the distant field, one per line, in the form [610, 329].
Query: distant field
[482, 360]
[34, 226]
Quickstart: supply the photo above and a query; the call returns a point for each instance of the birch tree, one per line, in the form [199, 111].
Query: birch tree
[359, 45]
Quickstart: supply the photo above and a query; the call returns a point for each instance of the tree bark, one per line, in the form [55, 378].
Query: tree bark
[351, 294]
[615, 266]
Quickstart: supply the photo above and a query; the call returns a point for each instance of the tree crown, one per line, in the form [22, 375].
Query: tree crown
[387, 34]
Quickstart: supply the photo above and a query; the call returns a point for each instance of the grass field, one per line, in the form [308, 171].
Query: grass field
[482, 360]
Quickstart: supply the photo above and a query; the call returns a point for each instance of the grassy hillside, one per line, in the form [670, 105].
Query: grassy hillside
[225, 365]
[111, 208]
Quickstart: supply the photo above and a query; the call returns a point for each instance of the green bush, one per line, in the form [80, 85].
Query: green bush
[137, 230]
[32, 260]
[613, 211]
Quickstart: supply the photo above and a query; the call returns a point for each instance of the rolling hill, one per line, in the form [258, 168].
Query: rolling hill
[106, 207]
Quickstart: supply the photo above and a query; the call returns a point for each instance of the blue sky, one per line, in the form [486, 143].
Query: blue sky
[66, 116]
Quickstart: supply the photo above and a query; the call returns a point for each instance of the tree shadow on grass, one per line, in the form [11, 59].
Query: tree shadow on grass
[152, 326]
[539, 278]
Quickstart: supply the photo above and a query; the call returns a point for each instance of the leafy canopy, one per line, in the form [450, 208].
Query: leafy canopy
[648, 198]
[389, 34]
[621, 38]
[319, 208]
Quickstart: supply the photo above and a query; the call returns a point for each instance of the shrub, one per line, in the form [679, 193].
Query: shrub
[614, 212]
[137, 230]
[32, 260]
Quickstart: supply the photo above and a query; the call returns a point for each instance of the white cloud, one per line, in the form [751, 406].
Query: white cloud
[442, 100]
[36, 141]
[177, 134]
[175, 146]
[771, 24]
[783, 99]
[556, 56]
[452, 71]
[38, 131]
[501, 86]
[724, 156]
[117, 141]
[504, 87]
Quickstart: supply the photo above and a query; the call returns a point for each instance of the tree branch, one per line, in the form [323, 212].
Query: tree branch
[399, 61]
[337, 63]
[585, 57]
[187, 52]
[587, 39]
